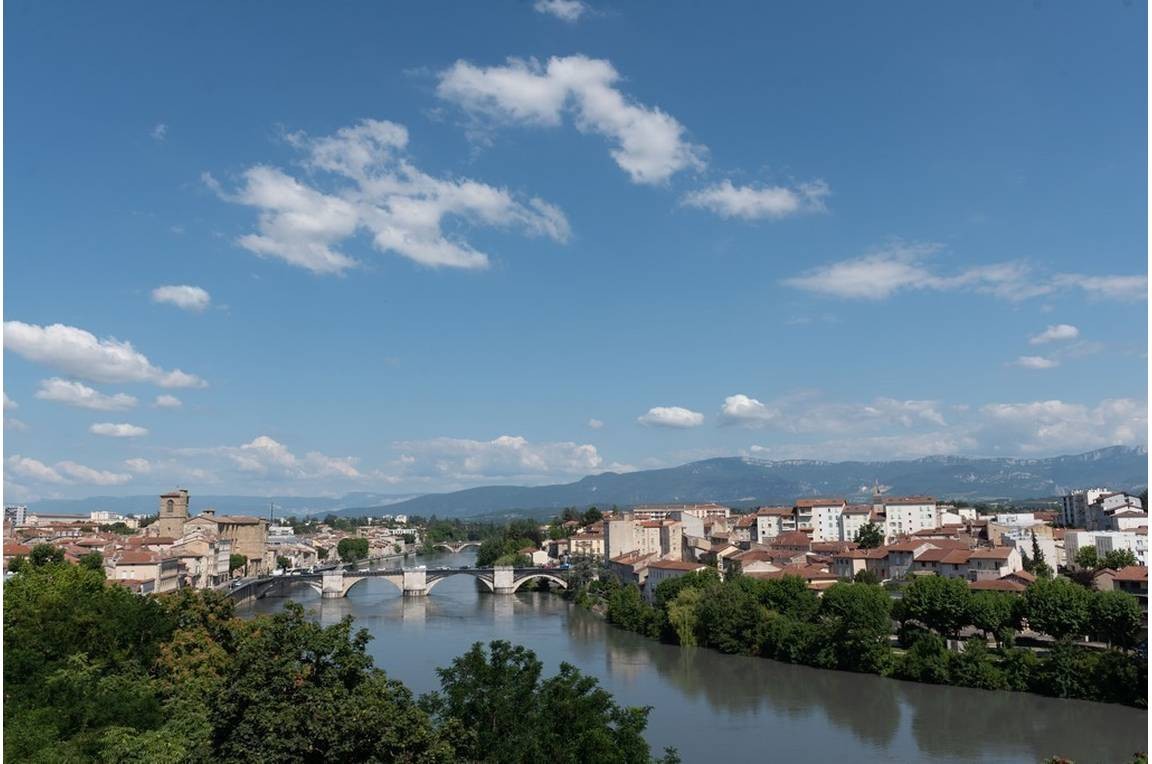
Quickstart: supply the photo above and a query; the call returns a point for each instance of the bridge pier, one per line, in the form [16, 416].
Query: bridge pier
[503, 580]
[415, 582]
[332, 584]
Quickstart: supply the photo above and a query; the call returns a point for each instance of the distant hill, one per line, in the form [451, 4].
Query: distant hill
[251, 505]
[745, 482]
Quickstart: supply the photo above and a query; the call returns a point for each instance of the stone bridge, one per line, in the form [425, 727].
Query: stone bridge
[456, 547]
[413, 582]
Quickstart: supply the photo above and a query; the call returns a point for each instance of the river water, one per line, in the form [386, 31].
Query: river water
[712, 706]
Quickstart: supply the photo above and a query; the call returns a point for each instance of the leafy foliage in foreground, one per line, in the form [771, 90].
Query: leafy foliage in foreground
[93, 672]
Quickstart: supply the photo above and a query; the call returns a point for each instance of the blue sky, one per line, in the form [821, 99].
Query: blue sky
[408, 247]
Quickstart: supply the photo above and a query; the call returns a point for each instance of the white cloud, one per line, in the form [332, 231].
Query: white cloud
[182, 296]
[1028, 429]
[123, 430]
[1114, 287]
[1035, 362]
[671, 416]
[805, 413]
[81, 396]
[505, 457]
[565, 10]
[649, 145]
[86, 475]
[81, 354]
[380, 191]
[901, 267]
[61, 473]
[9, 404]
[14, 424]
[138, 466]
[1055, 333]
[267, 457]
[167, 402]
[740, 409]
[756, 202]
[595, 424]
[1056, 426]
[32, 469]
[159, 132]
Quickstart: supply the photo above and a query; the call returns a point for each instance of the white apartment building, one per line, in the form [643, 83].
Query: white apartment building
[852, 519]
[822, 516]
[666, 511]
[1074, 506]
[772, 521]
[905, 515]
[1107, 541]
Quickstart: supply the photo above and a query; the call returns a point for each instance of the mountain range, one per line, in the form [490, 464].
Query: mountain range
[739, 481]
[736, 481]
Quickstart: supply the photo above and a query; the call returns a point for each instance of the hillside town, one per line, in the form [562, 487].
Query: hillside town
[178, 549]
[821, 540]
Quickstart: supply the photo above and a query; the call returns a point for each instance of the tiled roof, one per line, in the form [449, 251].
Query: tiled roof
[676, 565]
[996, 585]
[820, 502]
[897, 500]
[1132, 573]
[995, 553]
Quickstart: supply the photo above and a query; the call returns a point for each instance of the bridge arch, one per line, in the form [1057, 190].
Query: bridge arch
[456, 547]
[397, 581]
[265, 587]
[518, 582]
[435, 579]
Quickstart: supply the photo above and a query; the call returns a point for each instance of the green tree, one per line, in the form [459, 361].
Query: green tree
[46, 554]
[92, 561]
[1119, 558]
[730, 619]
[859, 622]
[283, 563]
[941, 604]
[1036, 564]
[1057, 607]
[973, 667]
[682, 614]
[1087, 558]
[866, 577]
[926, 660]
[352, 549]
[236, 561]
[511, 715]
[869, 536]
[992, 612]
[1115, 616]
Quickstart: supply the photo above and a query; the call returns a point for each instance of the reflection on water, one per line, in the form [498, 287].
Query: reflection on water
[708, 704]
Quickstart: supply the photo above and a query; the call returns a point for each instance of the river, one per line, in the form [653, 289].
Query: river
[712, 706]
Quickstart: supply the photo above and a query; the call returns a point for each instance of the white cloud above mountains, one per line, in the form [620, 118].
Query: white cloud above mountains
[648, 144]
[81, 354]
[77, 394]
[676, 417]
[756, 202]
[506, 457]
[806, 413]
[182, 296]
[377, 189]
[906, 267]
[565, 10]
[62, 473]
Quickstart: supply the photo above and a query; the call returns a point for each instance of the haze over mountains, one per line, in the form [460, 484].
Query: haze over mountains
[733, 480]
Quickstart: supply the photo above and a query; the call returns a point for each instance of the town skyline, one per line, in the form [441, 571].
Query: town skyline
[436, 259]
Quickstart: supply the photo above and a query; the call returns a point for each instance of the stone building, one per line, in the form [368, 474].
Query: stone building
[173, 514]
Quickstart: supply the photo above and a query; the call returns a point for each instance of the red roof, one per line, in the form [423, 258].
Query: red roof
[820, 502]
[1132, 573]
[137, 558]
[996, 585]
[11, 550]
[995, 553]
[775, 511]
[676, 565]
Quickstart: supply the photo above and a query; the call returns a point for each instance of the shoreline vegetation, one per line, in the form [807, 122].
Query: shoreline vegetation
[96, 673]
[852, 627]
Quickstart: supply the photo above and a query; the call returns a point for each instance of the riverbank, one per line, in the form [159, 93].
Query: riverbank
[850, 629]
[697, 693]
